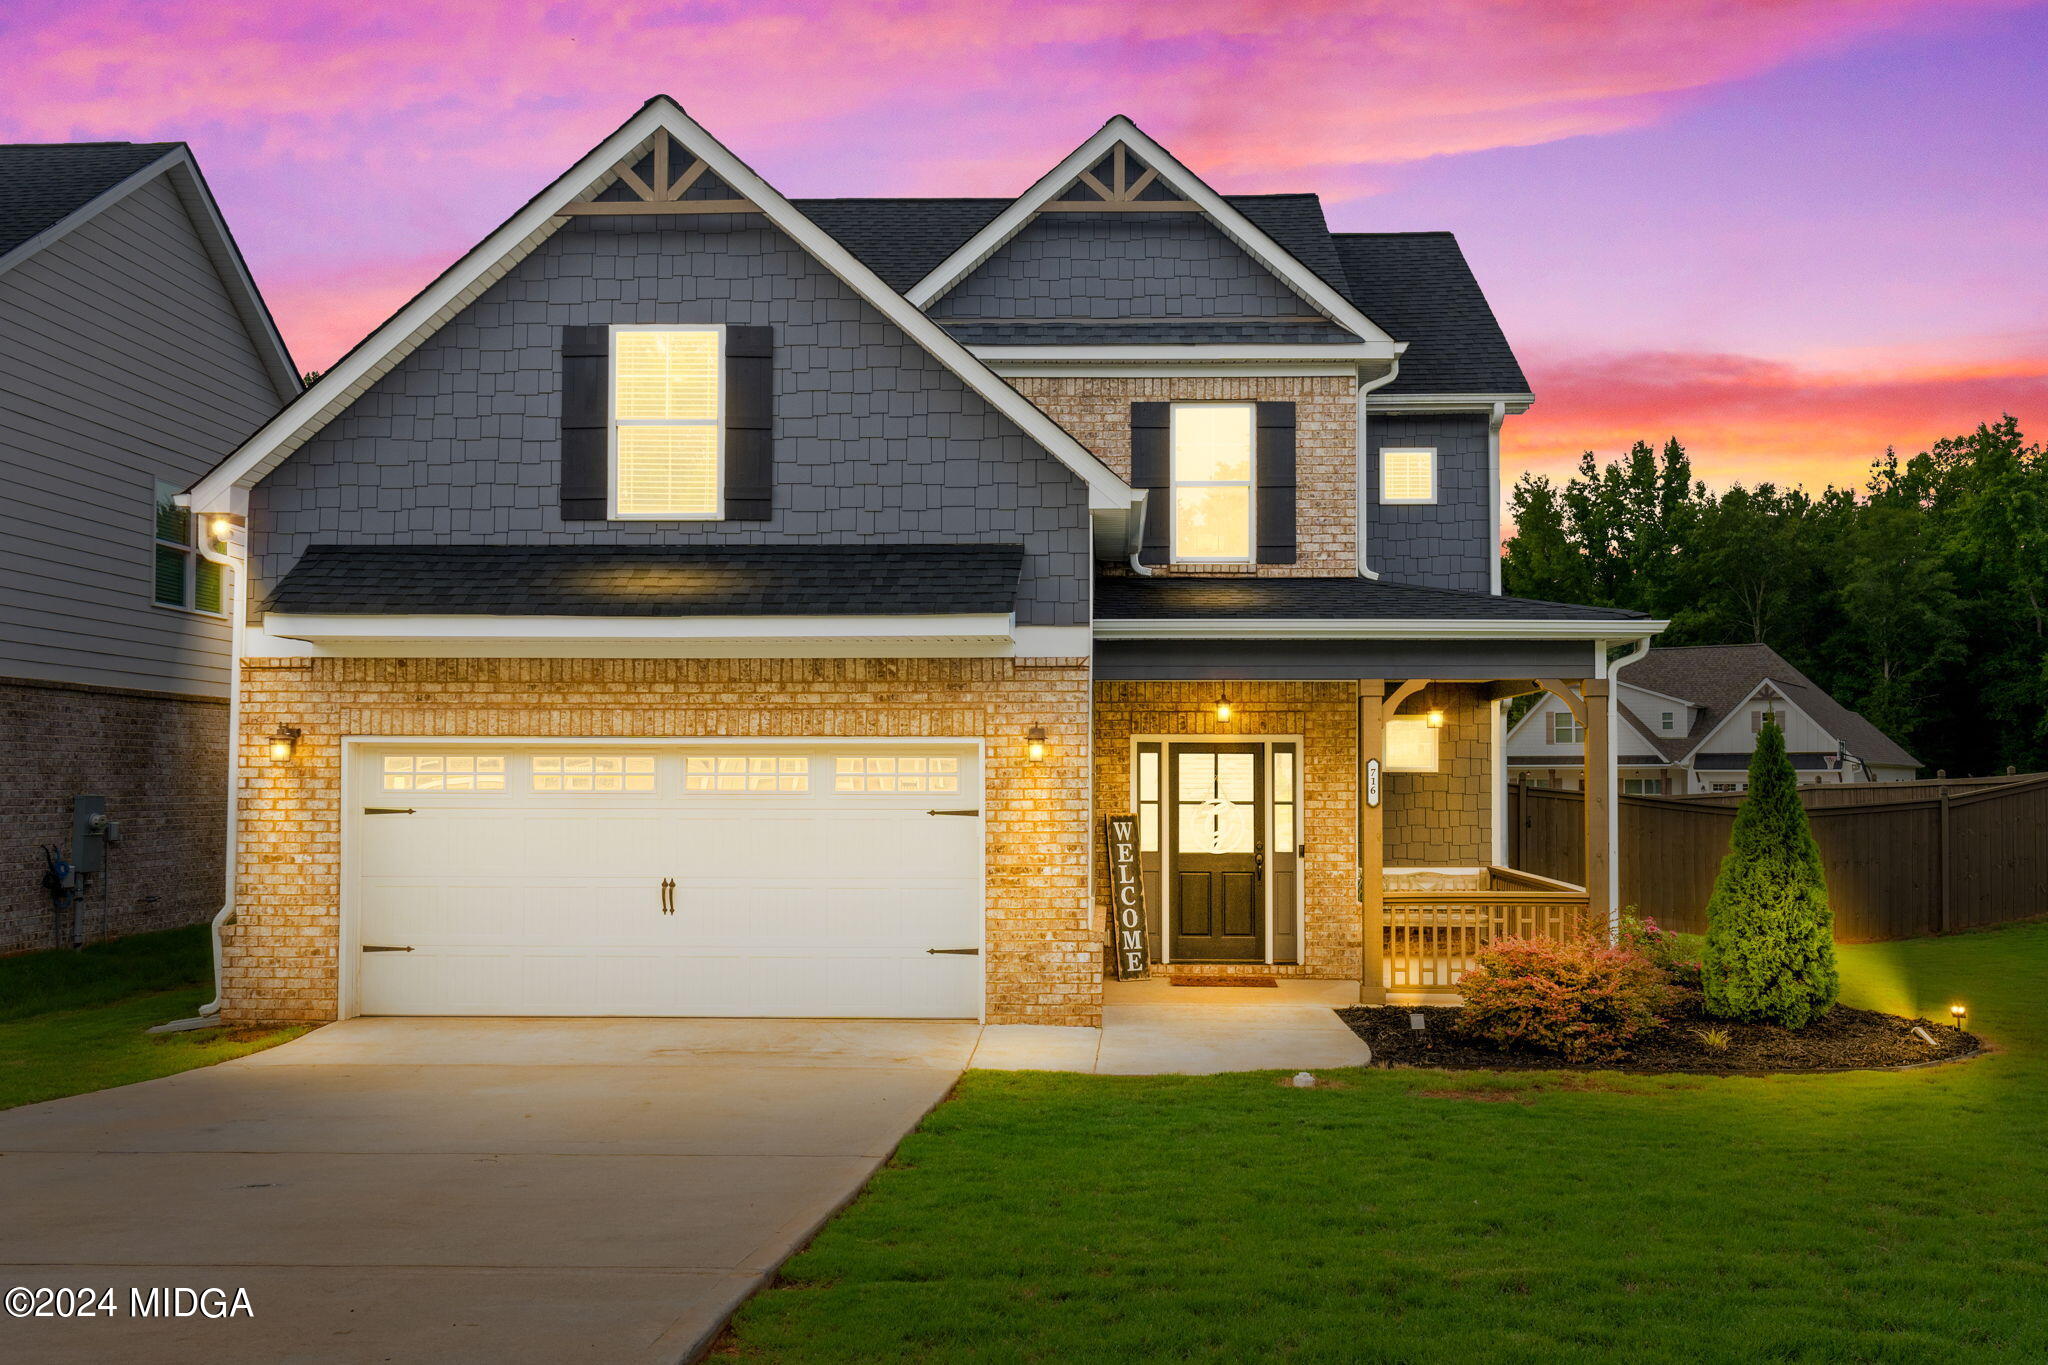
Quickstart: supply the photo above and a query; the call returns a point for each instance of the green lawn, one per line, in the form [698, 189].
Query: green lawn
[73, 1022]
[1545, 1217]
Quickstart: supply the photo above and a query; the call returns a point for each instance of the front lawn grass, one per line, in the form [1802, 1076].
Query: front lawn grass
[1425, 1216]
[74, 1022]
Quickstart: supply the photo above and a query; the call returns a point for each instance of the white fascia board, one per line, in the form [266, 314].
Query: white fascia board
[517, 237]
[320, 627]
[1451, 402]
[212, 228]
[1174, 176]
[1248, 628]
[1206, 369]
[1349, 354]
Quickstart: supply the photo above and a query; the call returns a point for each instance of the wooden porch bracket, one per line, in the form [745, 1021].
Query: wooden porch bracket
[1507, 689]
[1403, 693]
[1372, 848]
[1561, 688]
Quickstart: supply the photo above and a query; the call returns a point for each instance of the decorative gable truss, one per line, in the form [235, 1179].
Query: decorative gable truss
[659, 161]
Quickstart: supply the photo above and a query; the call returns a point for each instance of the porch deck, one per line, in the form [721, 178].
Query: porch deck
[1437, 922]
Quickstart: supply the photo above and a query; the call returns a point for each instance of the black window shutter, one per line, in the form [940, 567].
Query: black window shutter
[586, 412]
[1152, 470]
[749, 423]
[1276, 483]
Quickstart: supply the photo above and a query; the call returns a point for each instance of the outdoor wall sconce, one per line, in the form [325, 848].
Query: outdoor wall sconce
[1436, 720]
[1958, 1014]
[1223, 711]
[1034, 743]
[283, 742]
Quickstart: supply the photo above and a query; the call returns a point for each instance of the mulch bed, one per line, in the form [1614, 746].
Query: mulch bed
[1844, 1039]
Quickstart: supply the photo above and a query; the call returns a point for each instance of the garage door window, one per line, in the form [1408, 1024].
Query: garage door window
[444, 773]
[593, 773]
[895, 773]
[747, 773]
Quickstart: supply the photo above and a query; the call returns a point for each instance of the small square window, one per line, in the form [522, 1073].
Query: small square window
[1408, 475]
[1667, 721]
[746, 773]
[593, 773]
[895, 773]
[1565, 728]
[443, 773]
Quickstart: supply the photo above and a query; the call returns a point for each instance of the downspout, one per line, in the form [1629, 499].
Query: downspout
[1500, 415]
[1134, 534]
[1614, 667]
[1365, 387]
[237, 590]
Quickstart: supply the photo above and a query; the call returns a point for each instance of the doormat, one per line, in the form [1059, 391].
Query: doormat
[1221, 981]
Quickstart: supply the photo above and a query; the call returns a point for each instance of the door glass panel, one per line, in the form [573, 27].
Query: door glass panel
[1216, 812]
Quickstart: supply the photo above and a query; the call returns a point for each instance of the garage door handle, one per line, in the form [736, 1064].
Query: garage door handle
[952, 812]
[956, 952]
[384, 948]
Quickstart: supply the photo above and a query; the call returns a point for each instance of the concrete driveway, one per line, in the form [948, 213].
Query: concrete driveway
[454, 1190]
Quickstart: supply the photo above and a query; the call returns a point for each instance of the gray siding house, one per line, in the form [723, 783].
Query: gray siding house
[134, 353]
[702, 602]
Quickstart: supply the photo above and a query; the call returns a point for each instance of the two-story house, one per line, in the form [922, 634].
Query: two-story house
[135, 354]
[700, 602]
[1690, 718]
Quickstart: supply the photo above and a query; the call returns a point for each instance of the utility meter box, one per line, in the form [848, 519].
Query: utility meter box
[89, 833]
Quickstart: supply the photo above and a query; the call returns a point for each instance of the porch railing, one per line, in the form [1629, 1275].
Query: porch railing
[1433, 937]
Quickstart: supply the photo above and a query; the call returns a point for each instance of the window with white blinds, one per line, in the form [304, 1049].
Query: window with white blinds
[666, 409]
[1408, 475]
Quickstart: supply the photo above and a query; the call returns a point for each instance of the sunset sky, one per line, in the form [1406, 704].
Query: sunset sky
[1791, 232]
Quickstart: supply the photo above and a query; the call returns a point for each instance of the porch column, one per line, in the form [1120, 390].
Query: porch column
[1599, 806]
[1372, 851]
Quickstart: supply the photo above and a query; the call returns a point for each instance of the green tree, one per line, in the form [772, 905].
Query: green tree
[1770, 934]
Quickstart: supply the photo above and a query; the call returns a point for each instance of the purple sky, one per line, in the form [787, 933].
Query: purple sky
[1789, 231]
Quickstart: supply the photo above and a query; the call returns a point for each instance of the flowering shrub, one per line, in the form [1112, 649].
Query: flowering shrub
[1579, 999]
[1661, 946]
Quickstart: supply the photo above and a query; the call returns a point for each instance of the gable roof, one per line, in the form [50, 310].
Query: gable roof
[1720, 678]
[533, 224]
[48, 189]
[1322, 294]
[1418, 286]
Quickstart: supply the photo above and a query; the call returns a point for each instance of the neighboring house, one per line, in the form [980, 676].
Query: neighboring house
[1690, 718]
[135, 353]
[696, 602]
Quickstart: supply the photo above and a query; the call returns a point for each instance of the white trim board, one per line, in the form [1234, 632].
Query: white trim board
[1240, 628]
[517, 238]
[1349, 354]
[1174, 176]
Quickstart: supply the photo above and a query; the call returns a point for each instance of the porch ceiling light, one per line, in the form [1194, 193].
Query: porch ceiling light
[1436, 720]
[284, 741]
[1034, 743]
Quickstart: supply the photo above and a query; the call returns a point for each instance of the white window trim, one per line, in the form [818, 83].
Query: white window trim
[1386, 499]
[613, 422]
[1250, 484]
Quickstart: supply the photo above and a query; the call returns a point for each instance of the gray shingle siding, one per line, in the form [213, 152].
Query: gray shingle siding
[123, 361]
[1442, 544]
[1118, 265]
[875, 441]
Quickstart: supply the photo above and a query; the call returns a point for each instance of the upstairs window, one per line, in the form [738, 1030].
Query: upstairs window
[184, 578]
[1408, 475]
[667, 387]
[1763, 714]
[1211, 451]
[1668, 720]
[1565, 728]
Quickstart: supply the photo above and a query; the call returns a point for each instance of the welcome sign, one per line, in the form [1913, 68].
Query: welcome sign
[1126, 897]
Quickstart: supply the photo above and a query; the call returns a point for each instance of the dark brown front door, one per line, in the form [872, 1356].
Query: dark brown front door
[1216, 839]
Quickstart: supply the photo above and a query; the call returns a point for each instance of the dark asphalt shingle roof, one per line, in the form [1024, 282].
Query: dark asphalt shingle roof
[1167, 597]
[42, 183]
[1718, 678]
[1415, 285]
[1174, 333]
[610, 580]
[1418, 288]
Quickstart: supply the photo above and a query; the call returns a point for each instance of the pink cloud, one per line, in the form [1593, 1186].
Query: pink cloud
[1749, 419]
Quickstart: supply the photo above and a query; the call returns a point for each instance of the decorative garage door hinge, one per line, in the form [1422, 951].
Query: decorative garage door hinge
[384, 948]
[955, 952]
[389, 810]
[953, 812]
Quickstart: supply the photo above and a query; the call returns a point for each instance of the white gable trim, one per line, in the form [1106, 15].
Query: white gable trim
[1741, 708]
[1174, 176]
[517, 238]
[191, 189]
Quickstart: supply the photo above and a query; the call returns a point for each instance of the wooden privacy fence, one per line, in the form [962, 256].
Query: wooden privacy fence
[1937, 857]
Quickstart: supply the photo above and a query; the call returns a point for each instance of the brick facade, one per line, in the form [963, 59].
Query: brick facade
[1044, 940]
[160, 761]
[1097, 411]
[1441, 819]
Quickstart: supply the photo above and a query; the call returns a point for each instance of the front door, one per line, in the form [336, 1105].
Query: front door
[1217, 837]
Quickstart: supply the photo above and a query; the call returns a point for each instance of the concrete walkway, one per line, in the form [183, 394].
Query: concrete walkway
[1154, 1028]
[458, 1190]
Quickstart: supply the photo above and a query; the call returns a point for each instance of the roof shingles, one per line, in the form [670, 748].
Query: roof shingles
[43, 183]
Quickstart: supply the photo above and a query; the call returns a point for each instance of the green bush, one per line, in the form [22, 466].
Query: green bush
[1770, 934]
[1580, 999]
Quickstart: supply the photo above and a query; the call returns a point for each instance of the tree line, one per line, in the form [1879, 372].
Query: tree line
[1919, 599]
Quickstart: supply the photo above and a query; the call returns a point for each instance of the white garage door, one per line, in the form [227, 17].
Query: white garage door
[768, 879]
